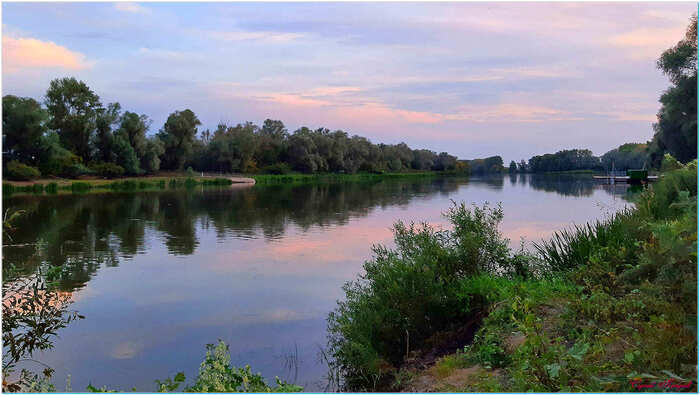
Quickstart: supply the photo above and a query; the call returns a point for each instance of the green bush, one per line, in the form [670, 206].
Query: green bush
[410, 293]
[277, 168]
[79, 187]
[107, 170]
[75, 170]
[15, 170]
[662, 199]
[51, 187]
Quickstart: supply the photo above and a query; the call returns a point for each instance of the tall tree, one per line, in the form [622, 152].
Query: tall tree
[106, 119]
[676, 130]
[22, 128]
[133, 128]
[178, 135]
[73, 108]
[513, 168]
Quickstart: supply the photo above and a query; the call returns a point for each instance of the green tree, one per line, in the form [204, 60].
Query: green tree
[125, 155]
[104, 138]
[133, 128]
[178, 136]
[677, 121]
[73, 108]
[513, 168]
[150, 161]
[22, 128]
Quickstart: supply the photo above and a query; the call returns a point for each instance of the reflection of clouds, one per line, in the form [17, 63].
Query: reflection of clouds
[126, 350]
[273, 316]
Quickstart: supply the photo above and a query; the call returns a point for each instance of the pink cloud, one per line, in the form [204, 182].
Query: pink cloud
[22, 53]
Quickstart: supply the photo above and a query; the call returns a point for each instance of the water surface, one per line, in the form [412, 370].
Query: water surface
[160, 274]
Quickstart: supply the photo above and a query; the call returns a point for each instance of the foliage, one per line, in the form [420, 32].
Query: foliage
[178, 135]
[107, 170]
[73, 109]
[677, 119]
[623, 310]
[493, 164]
[14, 170]
[565, 160]
[217, 375]
[626, 156]
[22, 128]
[76, 170]
[409, 293]
[32, 314]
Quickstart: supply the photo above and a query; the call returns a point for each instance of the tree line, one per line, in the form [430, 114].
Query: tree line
[626, 156]
[675, 132]
[74, 134]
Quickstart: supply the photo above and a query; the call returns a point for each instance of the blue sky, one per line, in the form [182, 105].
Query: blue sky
[473, 79]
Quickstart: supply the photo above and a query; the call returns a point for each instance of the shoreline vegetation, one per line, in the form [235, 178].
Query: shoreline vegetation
[188, 181]
[179, 180]
[607, 306]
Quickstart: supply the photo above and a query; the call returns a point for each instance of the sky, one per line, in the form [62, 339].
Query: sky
[472, 79]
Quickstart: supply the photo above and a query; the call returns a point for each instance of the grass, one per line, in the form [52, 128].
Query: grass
[617, 310]
[130, 184]
[607, 306]
[265, 179]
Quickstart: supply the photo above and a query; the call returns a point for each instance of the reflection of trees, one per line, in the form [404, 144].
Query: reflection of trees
[82, 233]
[562, 184]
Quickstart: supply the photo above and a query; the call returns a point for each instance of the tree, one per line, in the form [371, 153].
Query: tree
[104, 138]
[125, 155]
[150, 161]
[513, 168]
[272, 143]
[73, 109]
[178, 134]
[133, 128]
[22, 128]
[677, 120]
[445, 161]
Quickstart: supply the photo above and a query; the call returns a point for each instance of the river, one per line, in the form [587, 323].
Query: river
[159, 274]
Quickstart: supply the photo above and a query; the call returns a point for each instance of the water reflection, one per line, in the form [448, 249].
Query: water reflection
[160, 274]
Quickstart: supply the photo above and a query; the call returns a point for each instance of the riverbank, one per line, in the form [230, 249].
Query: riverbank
[124, 184]
[174, 180]
[609, 306]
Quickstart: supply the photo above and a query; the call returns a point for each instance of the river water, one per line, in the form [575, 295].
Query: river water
[160, 274]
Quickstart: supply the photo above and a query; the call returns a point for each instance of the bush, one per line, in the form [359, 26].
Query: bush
[75, 170]
[661, 200]
[107, 170]
[277, 168]
[15, 170]
[410, 293]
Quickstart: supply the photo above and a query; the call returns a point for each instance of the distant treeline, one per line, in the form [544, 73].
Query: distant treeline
[74, 134]
[626, 156]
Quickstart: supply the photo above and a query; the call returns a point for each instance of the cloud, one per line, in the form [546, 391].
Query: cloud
[648, 42]
[22, 53]
[134, 8]
[268, 36]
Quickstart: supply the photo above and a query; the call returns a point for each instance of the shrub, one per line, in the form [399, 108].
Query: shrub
[107, 170]
[277, 168]
[661, 199]
[410, 293]
[80, 187]
[75, 170]
[51, 187]
[15, 170]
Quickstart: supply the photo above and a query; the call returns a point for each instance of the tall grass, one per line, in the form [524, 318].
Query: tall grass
[264, 179]
[571, 248]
